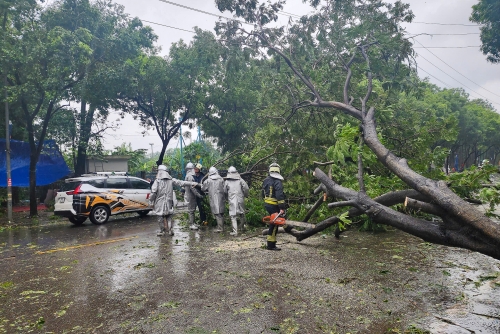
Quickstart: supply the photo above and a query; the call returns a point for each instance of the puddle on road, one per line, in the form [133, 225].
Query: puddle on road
[173, 249]
[180, 246]
[476, 308]
[105, 276]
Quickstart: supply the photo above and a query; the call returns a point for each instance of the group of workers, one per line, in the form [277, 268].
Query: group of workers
[231, 188]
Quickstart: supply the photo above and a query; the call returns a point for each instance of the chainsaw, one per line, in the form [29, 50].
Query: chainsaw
[275, 219]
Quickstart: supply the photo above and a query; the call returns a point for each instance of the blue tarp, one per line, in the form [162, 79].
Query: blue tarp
[50, 167]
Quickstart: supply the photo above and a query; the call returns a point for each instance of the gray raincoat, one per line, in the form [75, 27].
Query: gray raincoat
[236, 190]
[162, 193]
[214, 184]
[189, 194]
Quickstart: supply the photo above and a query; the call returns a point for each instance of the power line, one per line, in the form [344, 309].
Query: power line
[169, 26]
[446, 47]
[220, 16]
[195, 9]
[448, 24]
[444, 83]
[289, 14]
[298, 16]
[431, 34]
[472, 90]
[457, 71]
[286, 13]
[202, 11]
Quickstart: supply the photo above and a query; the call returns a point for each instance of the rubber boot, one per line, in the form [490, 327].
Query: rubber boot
[243, 223]
[162, 227]
[234, 223]
[220, 223]
[271, 245]
[192, 225]
[170, 224]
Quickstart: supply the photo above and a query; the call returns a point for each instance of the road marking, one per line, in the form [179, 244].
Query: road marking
[83, 245]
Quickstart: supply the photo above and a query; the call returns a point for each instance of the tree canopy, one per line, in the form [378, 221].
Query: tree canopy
[487, 13]
[364, 43]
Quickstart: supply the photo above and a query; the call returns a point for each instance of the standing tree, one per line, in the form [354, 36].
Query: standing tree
[168, 92]
[364, 40]
[487, 13]
[42, 64]
[116, 38]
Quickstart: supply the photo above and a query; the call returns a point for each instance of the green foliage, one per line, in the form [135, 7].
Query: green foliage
[470, 181]
[254, 205]
[487, 13]
[195, 152]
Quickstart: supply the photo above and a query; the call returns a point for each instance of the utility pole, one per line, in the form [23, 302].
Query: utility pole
[7, 154]
[151, 149]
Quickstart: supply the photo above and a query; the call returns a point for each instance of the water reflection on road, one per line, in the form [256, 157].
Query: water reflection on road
[477, 308]
[103, 274]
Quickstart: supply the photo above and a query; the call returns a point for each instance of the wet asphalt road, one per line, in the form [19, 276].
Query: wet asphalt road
[121, 278]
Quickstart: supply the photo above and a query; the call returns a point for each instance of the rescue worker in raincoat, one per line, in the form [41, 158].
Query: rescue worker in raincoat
[198, 177]
[214, 185]
[236, 189]
[274, 199]
[162, 199]
[190, 195]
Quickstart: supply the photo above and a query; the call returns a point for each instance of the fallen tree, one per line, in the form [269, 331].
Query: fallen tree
[459, 223]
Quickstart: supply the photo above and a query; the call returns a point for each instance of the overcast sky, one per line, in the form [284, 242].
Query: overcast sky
[448, 52]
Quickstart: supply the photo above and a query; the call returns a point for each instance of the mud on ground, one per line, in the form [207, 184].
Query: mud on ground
[202, 282]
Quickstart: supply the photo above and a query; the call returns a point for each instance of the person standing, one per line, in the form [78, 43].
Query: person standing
[274, 199]
[198, 177]
[190, 195]
[236, 189]
[214, 185]
[162, 201]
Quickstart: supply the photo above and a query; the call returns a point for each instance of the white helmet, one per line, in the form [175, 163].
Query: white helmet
[198, 166]
[189, 165]
[212, 171]
[275, 170]
[162, 173]
[232, 173]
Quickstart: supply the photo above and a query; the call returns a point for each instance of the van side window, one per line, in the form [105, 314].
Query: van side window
[117, 183]
[139, 184]
[97, 183]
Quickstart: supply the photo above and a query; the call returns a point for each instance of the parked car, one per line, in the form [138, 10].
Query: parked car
[97, 197]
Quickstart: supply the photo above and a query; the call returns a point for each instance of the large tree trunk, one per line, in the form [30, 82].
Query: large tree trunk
[86, 120]
[33, 202]
[462, 225]
[36, 145]
[451, 231]
[437, 191]
[162, 152]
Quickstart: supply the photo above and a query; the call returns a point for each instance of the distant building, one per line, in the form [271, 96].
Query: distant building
[108, 163]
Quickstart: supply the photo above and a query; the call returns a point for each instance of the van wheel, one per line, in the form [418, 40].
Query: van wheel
[143, 213]
[77, 220]
[99, 214]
